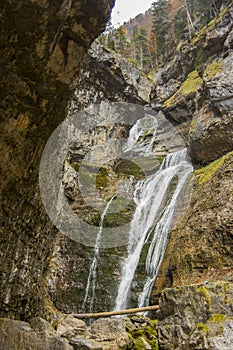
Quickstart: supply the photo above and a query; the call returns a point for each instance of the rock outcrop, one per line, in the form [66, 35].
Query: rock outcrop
[199, 101]
[136, 332]
[43, 44]
[108, 76]
[196, 317]
[199, 248]
[194, 89]
[16, 335]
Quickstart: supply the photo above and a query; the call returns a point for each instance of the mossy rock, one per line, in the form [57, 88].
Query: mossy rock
[203, 290]
[202, 327]
[212, 70]
[209, 27]
[188, 87]
[205, 174]
[145, 334]
[217, 318]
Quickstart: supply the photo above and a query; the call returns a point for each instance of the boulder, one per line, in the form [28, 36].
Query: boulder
[15, 335]
[196, 317]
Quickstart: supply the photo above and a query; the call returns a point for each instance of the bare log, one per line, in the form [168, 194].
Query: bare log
[116, 313]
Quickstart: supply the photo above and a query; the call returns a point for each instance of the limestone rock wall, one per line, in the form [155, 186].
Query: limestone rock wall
[199, 248]
[194, 89]
[105, 76]
[42, 46]
[200, 102]
[196, 317]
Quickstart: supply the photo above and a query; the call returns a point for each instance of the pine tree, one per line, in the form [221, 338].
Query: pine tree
[161, 26]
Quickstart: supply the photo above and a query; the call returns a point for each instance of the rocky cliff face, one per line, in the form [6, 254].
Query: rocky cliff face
[195, 92]
[197, 97]
[105, 77]
[42, 46]
[196, 317]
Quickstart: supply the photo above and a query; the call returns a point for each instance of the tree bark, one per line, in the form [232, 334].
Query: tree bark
[116, 313]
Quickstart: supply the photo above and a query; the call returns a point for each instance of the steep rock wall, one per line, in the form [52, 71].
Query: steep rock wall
[42, 46]
[199, 101]
[105, 76]
[199, 249]
[194, 90]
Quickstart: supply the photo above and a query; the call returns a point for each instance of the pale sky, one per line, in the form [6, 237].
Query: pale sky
[126, 9]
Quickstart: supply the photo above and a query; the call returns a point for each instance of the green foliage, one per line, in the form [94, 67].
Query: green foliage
[203, 290]
[170, 27]
[161, 26]
[180, 24]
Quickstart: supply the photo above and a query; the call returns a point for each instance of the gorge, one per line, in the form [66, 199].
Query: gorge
[45, 274]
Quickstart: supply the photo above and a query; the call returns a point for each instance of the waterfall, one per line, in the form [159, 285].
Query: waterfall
[91, 281]
[156, 208]
[138, 140]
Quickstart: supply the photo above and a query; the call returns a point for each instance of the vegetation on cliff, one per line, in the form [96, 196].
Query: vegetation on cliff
[171, 24]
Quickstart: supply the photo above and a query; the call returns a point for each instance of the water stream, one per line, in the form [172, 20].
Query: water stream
[157, 197]
[157, 203]
[91, 281]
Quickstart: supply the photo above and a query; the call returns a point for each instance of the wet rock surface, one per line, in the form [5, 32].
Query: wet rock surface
[105, 77]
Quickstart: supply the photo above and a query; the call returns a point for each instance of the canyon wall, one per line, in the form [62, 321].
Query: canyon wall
[43, 44]
[194, 90]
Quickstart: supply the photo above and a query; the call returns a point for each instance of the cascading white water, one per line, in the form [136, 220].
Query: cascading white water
[91, 281]
[137, 141]
[154, 213]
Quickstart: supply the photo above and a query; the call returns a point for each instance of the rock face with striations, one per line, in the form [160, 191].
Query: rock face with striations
[42, 47]
[196, 317]
[199, 101]
[194, 89]
[105, 77]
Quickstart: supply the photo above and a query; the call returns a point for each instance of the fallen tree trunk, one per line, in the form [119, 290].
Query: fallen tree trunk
[116, 313]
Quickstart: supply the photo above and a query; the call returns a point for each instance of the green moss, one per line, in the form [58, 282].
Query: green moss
[205, 174]
[202, 327]
[179, 46]
[199, 59]
[212, 70]
[203, 290]
[102, 178]
[217, 318]
[210, 26]
[148, 333]
[193, 126]
[220, 331]
[190, 85]
[139, 345]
